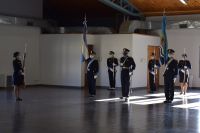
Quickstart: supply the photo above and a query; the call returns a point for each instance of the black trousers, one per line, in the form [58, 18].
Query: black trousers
[125, 82]
[91, 83]
[112, 78]
[152, 82]
[169, 87]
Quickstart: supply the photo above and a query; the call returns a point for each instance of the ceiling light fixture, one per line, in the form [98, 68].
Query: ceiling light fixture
[184, 2]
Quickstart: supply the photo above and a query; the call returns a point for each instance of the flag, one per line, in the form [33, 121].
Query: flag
[164, 43]
[84, 47]
[24, 56]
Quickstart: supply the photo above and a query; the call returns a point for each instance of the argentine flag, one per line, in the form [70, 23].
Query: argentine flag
[84, 47]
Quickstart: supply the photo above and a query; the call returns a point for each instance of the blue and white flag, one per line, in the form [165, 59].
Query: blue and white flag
[164, 42]
[84, 47]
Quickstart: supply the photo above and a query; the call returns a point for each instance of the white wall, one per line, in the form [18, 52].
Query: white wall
[60, 59]
[105, 43]
[178, 39]
[140, 54]
[23, 8]
[138, 44]
[13, 38]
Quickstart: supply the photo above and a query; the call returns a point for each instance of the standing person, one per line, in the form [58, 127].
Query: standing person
[153, 65]
[184, 66]
[170, 74]
[127, 65]
[92, 71]
[112, 62]
[18, 75]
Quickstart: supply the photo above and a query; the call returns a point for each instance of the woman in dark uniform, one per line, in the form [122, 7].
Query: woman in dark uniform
[18, 75]
[184, 66]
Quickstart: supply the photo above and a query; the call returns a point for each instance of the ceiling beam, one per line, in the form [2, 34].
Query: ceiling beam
[123, 6]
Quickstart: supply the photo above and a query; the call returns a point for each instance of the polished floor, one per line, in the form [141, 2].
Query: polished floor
[69, 110]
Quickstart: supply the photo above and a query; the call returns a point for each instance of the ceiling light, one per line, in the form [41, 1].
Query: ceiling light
[184, 2]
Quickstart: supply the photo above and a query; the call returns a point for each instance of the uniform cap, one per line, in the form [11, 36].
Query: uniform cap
[184, 55]
[92, 53]
[170, 51]
[152, 54]
[16, 54]
[126, 50]
[111, 52]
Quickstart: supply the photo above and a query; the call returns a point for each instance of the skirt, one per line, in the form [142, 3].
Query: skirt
[18, 80]
[183, 78]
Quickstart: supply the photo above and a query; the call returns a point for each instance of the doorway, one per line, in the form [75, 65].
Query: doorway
[156, 50]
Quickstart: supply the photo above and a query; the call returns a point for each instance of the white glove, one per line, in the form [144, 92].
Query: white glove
[182, 71]
[95, 76]
[153, 73]
[185, 67]
[174, 80]
[114, 64]
[111, 69]
[130, 73]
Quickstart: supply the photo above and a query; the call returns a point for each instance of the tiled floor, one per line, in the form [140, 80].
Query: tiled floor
[69, 110]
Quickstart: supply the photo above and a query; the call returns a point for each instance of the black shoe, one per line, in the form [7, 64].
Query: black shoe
[121, 97]
[170, 101]
[167, 101]
[91, 95]
[126, 99]
[151, 92]
[18, 99]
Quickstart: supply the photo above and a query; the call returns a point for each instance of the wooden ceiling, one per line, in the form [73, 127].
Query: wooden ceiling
[74, 7]
[172, 7]
[71, 12]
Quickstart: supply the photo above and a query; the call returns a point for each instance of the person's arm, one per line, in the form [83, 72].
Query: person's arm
[175, 70]
[179, 65]
[96, 68]
[189, 65]
[121, 61]
[133, 65]
[149, 65]
[116, 62]
[21, 67]
[108, 63]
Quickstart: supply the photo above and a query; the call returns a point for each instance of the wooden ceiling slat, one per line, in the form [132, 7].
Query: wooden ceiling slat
[173, 7]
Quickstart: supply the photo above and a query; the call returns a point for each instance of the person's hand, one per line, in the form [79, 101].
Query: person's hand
[111, 70]
[130, 73]
[174, 80]
[95, 76]
[182, 71]
[114, 64]
[153, 73]
[185, 67]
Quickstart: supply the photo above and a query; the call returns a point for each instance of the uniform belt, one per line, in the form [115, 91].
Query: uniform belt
[125, 67]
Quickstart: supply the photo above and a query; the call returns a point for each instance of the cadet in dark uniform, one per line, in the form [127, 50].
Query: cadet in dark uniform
[153, 65]
[127, 65]
[92, 71]
[184, 66]
[170, 75]
[18, 75]
[112, 62]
